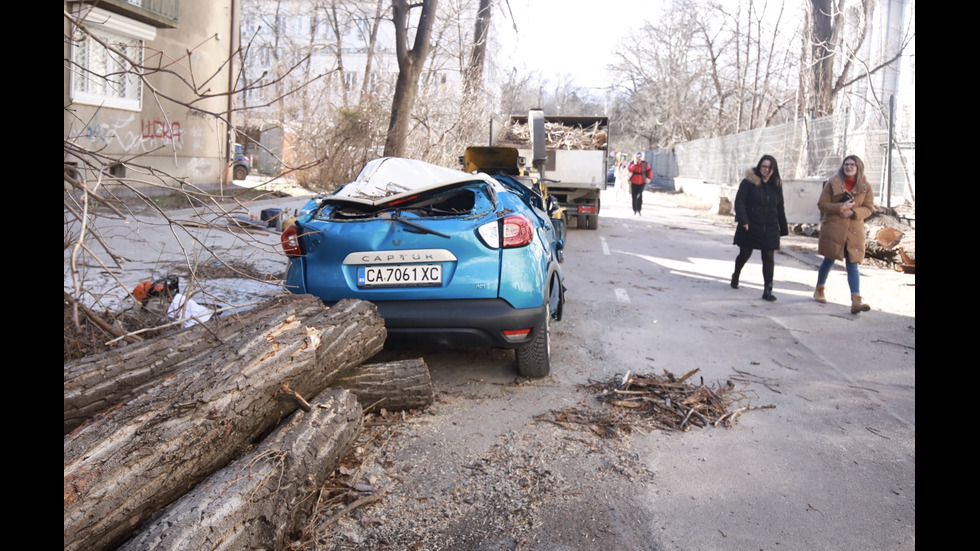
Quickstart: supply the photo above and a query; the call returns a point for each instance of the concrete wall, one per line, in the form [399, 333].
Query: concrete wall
[799, 196]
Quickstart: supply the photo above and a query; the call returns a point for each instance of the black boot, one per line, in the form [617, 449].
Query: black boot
[767, 294]
[735, 280]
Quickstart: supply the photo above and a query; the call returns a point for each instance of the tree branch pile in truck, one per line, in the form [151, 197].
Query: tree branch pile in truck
[570, 154]
[557, 136]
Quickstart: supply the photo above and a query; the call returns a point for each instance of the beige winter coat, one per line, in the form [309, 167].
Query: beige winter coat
[836, 232]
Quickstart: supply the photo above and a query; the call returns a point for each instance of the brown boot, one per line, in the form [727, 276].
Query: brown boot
[857, 305]
[818, 294]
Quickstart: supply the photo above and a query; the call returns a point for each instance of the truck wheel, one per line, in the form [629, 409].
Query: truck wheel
[592, 222]
[534, 358]
[239, 173]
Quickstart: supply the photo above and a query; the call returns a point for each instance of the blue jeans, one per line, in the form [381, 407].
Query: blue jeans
[853, 277]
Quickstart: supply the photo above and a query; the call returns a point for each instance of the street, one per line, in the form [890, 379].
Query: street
[831, 466]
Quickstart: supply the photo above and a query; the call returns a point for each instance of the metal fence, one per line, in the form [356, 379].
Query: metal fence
[804, 149]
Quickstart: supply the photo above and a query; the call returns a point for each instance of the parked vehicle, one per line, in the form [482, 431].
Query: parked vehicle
[241, 165]
[493, 160]
[451, 259]
[575, 167]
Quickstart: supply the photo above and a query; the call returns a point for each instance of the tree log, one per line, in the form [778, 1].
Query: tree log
[884, 234]
[129, 462]
[101, 381]
[395, 385]
[264, 498]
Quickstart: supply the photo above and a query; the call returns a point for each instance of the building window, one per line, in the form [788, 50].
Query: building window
[102, 73]
[350, 80]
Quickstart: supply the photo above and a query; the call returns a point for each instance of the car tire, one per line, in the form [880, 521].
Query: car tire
[592, 222]
[534, 359]
[239, 173]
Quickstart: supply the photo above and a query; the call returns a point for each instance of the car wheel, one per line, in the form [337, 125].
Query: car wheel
[534, 359]
[239, 173]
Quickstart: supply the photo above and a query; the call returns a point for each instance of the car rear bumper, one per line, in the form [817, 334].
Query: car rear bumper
[457, 323]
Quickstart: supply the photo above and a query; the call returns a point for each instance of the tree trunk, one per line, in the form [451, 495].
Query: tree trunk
[264, 498]
[129, 463]
[99, 382]
[473, 76]
[396, 385]
[885, 234]
[824, 25]
[410, 62]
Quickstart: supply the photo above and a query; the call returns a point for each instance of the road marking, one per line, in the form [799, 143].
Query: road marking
[621, 296]
[605, 246]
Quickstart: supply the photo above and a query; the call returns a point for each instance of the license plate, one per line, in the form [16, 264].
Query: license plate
[408, 275]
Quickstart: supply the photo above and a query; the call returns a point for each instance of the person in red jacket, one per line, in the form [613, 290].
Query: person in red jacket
[640, 175]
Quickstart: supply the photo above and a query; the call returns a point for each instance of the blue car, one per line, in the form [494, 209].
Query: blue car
[451, 259]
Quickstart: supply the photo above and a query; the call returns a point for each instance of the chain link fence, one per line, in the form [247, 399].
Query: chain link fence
[806, 149]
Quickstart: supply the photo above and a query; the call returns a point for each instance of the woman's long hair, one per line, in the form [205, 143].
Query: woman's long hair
[860, 166]
[775, 169]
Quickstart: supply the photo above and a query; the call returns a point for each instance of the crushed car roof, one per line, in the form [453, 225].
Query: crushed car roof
[390, 178]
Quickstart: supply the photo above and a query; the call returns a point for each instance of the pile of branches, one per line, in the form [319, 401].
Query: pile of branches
[557, 136]
[651, 402]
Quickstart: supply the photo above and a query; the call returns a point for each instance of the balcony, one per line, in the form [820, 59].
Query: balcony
[162, 14]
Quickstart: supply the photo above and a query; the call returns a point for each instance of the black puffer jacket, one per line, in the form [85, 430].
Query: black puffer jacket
[760, 205]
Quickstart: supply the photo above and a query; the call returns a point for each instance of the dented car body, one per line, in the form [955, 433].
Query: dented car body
[451, 259]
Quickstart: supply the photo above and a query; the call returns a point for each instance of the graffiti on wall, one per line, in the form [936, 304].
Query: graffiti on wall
[157, 129]
[120, 131]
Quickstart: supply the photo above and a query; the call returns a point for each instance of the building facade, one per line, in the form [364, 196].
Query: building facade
[148, 90]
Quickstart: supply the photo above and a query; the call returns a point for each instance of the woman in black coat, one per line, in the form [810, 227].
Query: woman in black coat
[760, 219]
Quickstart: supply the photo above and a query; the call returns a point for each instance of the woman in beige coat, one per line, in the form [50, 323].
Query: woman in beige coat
[846, 201]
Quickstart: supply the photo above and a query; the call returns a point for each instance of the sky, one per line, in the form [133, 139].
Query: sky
[574, 37]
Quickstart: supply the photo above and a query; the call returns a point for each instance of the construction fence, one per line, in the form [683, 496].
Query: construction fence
[806, 149]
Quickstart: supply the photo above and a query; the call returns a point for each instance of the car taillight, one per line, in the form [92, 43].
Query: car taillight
[517, 231]
[517, 335]
[290, 241]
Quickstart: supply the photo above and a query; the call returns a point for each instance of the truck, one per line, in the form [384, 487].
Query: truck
[569, 153]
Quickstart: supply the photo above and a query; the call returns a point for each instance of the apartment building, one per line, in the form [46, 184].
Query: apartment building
[148, 90]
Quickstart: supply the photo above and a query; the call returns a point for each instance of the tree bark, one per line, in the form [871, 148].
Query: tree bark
[410, 62]
[102, 381]
[473, 76]
[129, 463]
[264, 498]
[396, 385]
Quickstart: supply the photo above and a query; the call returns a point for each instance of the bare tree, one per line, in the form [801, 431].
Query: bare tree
[99, 202]
[704, 70]
[473, 76]
[410, 63]
[836, 54]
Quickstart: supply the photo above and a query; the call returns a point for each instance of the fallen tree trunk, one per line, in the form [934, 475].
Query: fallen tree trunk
[129, 462]
[883, 235]
[99, 382]
[264, 498]
[396, 385]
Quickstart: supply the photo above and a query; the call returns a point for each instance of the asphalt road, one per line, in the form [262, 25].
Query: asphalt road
[830, 467]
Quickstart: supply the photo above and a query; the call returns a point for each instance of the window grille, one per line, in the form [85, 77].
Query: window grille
[103, 76]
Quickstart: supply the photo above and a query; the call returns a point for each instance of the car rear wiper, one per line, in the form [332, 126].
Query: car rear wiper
[396, 216]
